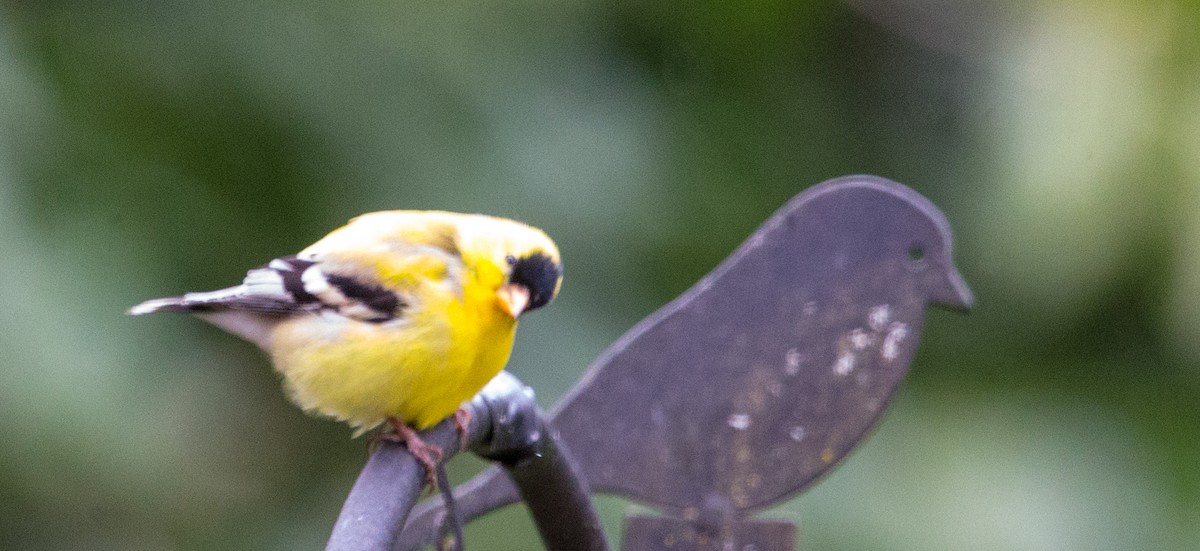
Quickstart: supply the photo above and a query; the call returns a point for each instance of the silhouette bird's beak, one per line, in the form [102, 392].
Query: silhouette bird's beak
[953, 294]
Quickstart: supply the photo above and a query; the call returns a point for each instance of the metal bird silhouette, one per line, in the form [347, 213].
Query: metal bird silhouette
[768, 371]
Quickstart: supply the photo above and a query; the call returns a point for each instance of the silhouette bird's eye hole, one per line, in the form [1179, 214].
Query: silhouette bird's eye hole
[916, 253]
[511, 260]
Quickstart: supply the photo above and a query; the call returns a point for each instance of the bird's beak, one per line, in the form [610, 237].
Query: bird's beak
[954, 295]
[514, 298]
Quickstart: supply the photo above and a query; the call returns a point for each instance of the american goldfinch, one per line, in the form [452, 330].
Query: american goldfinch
[399, 316]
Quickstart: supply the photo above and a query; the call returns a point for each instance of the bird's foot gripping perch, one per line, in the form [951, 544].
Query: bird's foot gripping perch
[462, 424]
[427, 454]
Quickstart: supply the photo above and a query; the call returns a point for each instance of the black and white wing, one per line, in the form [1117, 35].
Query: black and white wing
[285, 286]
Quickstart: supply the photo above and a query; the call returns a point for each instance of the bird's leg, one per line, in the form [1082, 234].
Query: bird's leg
[462, 422]
[451, 538]
[427, 454]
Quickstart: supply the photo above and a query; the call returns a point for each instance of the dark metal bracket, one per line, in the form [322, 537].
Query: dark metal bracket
[647, 532]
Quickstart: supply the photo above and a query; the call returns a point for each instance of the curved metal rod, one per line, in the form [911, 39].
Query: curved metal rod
[506, 426]
[386, 490]
[554, 489]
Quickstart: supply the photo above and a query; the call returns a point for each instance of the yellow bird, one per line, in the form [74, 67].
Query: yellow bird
[399, 316]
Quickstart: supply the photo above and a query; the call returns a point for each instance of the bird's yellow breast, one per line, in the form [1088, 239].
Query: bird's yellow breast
[418, 368]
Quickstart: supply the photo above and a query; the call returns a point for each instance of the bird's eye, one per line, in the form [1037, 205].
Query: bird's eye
[511, 260]
[916, 256]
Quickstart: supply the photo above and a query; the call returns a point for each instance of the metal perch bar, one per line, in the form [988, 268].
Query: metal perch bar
[386, 490]
[506, 426]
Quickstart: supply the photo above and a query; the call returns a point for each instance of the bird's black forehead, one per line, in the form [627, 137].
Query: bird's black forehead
[539, 273]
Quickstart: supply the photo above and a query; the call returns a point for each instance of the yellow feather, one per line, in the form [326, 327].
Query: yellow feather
[422, 367]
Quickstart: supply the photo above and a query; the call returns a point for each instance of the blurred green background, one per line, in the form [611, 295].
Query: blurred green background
[150, 148]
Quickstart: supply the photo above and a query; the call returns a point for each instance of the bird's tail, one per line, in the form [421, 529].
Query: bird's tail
[168, 304]
[230, 309]
[188, 303]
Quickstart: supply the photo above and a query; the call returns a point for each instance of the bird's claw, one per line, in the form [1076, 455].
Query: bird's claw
[462, 423]
[428, 455]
